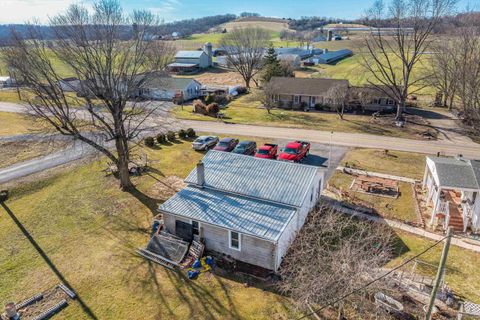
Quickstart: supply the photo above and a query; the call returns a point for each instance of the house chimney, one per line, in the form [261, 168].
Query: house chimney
[200, 174]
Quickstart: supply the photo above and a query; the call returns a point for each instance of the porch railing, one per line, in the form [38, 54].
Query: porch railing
[466, 214]
[444, 208]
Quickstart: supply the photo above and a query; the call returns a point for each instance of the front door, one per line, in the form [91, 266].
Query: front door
[312, 102]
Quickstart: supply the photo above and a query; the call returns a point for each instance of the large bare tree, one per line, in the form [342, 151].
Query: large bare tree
[245, 49]
[392, 57]
[333, 255]
[112, 72]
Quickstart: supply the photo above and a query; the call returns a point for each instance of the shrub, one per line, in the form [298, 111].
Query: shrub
[221, 99]
[318, 106]
[242, 90]
[171, 136]
[209, 98]
[213, 108]
[161, 138]
[182, 134]
[149, 142]
[199, 107]
[191, 133]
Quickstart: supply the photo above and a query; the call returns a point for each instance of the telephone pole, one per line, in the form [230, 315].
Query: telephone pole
[440, 273]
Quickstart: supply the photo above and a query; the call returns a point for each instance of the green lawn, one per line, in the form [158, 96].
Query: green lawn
[246, 110]
[401, 208]
[405, 164]
[88, 231]
[18, 151]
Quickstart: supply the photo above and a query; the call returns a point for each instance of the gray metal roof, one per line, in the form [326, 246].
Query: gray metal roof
[277, 181]
[189, 54]
[332, 56]
[245, 215]
[458, 173]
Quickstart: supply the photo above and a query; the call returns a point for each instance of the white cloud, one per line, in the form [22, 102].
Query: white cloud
[19, 11]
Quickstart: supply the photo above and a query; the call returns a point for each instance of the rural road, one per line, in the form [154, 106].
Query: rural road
[450, 147]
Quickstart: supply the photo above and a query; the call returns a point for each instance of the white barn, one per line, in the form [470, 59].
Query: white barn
[244, 207]
[169, 89]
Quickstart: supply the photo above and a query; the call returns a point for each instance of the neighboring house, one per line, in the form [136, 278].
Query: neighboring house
[329, 57]
[245, 207]
[192, 61]
[70, 84]
[453, 191]
[6, 81]
[304, 92]
[170, 89]
[293, 59]
[370, 98]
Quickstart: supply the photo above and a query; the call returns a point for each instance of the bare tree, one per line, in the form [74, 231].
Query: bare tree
[333, 255]
[245, 49]
[336, 97]
[391, 59]
[112, 73]
[267, 96]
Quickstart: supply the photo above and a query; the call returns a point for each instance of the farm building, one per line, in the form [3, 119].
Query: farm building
[329, 57]
[71, 84]
[453, 191]
[192, 61]
[170, 89]
[304, 92]
[293, 59]
[244, 207]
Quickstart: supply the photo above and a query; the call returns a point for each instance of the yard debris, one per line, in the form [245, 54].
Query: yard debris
[376, 186]
[40, 306]
[167, 187]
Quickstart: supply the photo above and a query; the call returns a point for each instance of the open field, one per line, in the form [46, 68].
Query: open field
[246, 110]
[87, 230]
[401, 208]
[15, 123]
[404, 164]
[18, 151]
[265, 23]
[217, 76]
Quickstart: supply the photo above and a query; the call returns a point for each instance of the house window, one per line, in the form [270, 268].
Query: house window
[376, 101]
[390, 102]
[235, 240]
[296, 99]
[195, 227]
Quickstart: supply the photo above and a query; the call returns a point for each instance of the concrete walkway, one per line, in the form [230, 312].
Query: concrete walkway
[376, 174]
[461, 242]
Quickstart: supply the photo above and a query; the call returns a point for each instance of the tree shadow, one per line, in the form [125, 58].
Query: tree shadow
[149, 202]
[49, 262]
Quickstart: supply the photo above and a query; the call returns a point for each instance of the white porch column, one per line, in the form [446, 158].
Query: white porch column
[425, 175]
[435, 205]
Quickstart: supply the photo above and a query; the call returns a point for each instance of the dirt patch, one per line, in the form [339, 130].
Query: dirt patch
[167, 187]
[219, 77]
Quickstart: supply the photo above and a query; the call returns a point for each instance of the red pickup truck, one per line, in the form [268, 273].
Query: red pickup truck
[295, 151]
[267, 151]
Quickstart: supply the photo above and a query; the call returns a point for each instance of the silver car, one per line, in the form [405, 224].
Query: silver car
[204, 143]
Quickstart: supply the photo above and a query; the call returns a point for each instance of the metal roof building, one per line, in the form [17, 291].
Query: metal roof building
[258, 218]
[332, 56]
[277, 181]
[245, 207]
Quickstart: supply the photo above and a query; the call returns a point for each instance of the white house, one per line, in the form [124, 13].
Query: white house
[245, 207]
[6, 81]
[453, 191]
[169, 88]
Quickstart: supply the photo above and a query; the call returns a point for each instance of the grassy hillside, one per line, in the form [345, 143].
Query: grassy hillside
[266, 23]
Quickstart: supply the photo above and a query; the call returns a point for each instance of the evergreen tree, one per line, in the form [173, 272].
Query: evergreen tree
[272, 67]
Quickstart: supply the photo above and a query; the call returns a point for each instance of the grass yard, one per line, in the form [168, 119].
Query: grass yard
[89, 230]
[18, 151]
[246, 110]
[399, 163]
[401, 208]
[14, 123]
[462, 272]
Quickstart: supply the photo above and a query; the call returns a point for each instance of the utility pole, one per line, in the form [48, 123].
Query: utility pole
[330, 150]
[440, 272]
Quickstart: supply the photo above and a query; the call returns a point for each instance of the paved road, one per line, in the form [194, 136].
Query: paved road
[451, 148]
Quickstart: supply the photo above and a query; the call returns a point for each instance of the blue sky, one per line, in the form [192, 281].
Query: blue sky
[17, 11]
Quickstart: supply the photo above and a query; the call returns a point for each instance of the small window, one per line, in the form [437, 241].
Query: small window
[235, 240]
[390, 102]
[195, 227]
[296, 99]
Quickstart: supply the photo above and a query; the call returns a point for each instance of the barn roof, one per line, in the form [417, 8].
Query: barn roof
[189, 54]
[234, 212]
[275, 181]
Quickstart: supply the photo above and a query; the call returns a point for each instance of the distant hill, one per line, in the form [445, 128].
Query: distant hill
[273, 24]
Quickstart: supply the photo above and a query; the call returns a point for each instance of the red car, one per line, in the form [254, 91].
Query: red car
[267, 151]
[295, 151]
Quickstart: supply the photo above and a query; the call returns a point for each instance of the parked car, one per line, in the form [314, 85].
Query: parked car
[204, 143]
[226, 144]
[295, 151]
[267, 151]
[246, 147]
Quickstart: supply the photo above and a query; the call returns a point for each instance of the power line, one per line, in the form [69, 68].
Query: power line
[372, 281]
